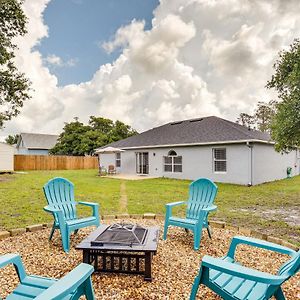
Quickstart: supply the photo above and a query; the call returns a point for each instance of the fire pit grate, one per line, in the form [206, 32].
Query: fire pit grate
[121, 234]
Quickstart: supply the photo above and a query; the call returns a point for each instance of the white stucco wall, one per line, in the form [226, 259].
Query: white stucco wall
[197, 161]
[269, 165]
[109, 159]
[6, 157]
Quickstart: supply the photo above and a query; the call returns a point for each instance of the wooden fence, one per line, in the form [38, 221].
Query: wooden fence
[45, 162]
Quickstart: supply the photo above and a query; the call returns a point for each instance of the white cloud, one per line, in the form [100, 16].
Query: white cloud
[200, 58]
[56, 61]
[53, 59]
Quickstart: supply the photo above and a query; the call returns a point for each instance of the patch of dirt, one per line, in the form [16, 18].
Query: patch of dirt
[290, 215]
[123, 197]
[5, 177]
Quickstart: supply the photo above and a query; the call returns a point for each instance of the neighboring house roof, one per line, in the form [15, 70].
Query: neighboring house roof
[208, 130]
[37, 140]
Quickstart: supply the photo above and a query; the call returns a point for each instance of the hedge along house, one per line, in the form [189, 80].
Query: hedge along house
[210, 147]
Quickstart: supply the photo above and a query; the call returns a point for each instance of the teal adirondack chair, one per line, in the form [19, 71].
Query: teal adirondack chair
[202, 194]
[232, 281]
[59, 193]
[75, 284]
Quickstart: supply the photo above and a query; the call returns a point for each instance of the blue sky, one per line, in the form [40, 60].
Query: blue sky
[77, 29]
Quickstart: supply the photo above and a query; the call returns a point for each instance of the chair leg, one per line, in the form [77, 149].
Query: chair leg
[166, 229]
[279, 294]
[197, 238]
[196, 284]
[209, 231]
[52, 232]
[89, 291]
[65, 237]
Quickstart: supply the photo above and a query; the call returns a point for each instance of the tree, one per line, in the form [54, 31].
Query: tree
[80, 139]
[101, 124]
[262, 117]
[264, 114]
[71, 140]
[121, 131]
[246, 120]
[12, 139]
[286, 81]
[14, 87]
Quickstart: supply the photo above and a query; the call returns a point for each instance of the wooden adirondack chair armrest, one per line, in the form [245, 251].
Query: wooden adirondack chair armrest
[237, 240]
[210, 208]
[241, 271]
[14, 259]
[68, 283]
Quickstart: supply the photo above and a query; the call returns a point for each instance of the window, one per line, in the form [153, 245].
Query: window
[118, 160]
[219, 160]
[172, 162]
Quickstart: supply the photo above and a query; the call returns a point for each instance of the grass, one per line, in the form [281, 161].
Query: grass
[22, 199]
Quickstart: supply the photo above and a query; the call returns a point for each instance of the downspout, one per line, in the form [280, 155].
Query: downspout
[250, 160]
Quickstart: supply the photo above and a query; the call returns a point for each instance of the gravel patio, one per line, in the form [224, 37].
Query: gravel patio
[174, 266]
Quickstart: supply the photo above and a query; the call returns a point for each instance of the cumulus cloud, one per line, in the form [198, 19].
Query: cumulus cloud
[200, 58]
[56, 61]
[53, 59]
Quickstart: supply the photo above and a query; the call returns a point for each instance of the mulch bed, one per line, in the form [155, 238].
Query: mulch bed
[174, 266]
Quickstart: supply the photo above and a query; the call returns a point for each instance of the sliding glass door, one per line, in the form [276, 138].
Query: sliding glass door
[142, 162]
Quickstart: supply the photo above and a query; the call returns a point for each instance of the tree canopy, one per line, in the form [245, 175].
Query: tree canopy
[286, 81]
[12, 139]
[80, 139]
[14, 86]
[262, 117]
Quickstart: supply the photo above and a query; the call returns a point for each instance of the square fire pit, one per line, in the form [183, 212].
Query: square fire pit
[121, 248]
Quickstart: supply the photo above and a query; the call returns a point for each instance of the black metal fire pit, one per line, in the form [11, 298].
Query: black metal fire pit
[122, 234]
[121, 248]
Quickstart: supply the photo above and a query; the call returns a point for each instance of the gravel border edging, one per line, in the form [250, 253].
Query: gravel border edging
[217, 224]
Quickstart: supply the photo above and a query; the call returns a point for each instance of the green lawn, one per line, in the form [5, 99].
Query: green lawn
[266, 207]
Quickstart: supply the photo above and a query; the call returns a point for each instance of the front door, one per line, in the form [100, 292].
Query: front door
[142, 162]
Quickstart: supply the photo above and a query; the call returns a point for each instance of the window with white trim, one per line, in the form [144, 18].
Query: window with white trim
[219, 160]
[118, 160]
[173, 162]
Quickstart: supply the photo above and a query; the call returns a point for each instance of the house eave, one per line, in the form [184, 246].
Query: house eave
[199, 144]
[32, 148]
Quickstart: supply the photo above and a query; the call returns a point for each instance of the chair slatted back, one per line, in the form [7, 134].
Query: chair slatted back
[291, 267]
[59, 193]
[111, 168]
[202, 194]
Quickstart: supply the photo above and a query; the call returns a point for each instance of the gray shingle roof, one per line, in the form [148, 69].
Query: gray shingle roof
[207, 130]
[38, 141]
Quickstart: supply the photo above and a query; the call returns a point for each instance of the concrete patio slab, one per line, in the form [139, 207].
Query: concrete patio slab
[129, 176]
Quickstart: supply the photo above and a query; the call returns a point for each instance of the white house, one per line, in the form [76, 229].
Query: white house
[6, 157]
[35, 143]
[208, 147]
